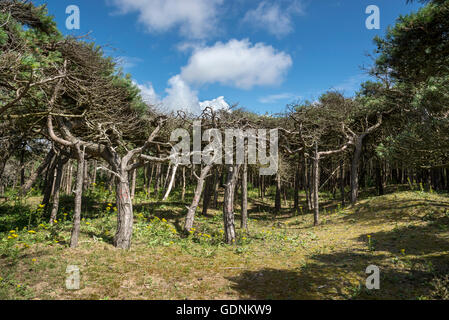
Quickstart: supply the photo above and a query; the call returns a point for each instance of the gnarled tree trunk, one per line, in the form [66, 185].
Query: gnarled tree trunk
[316, 187]
[172, 181]
[78, 198]
[355, 169]
[228, 203]
[125, 216]
[244, 222]
[196, 198]
[56, 192]
[40, 170]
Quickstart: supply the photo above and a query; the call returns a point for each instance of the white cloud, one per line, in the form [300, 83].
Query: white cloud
[215, 104]
[194, 18]
[148, 93]
[180, 96]
[190, 46]
[272, 17]
[237, 63]
[278, 97]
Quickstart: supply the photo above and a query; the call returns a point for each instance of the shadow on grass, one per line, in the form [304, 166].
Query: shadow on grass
[415, 240]
[395, 210]
[341, 275]
[344, 278]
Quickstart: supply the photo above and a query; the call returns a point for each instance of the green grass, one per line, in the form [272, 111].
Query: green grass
[281, 257]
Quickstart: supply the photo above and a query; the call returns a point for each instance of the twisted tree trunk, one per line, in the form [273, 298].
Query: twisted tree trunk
[196, 198]
[355, 169]
[40, 171]
[228, 204]
[125, 215]
[56, 192]
[172, 181]
[78, 198]
[244, 222]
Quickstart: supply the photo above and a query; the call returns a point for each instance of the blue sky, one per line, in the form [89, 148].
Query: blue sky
[260, 54]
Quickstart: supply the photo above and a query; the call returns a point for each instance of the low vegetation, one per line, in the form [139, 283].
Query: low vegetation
[282, 256]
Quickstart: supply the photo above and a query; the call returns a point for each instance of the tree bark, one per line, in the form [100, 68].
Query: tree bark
[40, 170]
[86, 175]
[277, 201]
[307, 184]
[49, 182]
[355, 169]
[216, 187]
[244, 222]
[78, 198]
[150, 180]
[133, 183]
[56, 192]
[158, 180]
[94, 172]
[196, 198]
[316, 186]
[207, 194]
[69, 178]
[125, 216]
[296, 192]
[379, 184]
[183, 194]
[228, 204]
[342, 182]
[172, 180]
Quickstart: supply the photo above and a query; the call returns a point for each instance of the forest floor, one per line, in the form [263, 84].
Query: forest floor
[405, 234]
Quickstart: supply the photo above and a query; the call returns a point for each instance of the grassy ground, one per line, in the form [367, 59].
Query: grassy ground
[405, 234]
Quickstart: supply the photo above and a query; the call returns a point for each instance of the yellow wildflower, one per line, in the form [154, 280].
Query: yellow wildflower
[31, 231]
[12, 231]
[33, 260]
